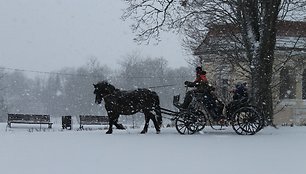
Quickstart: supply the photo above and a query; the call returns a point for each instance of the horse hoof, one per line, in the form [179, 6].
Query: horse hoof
[109, 132]
[143, 132]
[120, 126]
[157, 132]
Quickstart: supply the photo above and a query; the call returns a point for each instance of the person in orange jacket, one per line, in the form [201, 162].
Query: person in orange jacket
[200, 83]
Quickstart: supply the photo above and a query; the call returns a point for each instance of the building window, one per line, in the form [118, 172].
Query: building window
[287, 84]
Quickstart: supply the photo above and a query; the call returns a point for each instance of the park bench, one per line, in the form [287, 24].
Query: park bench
[29, 119]
[92, 120]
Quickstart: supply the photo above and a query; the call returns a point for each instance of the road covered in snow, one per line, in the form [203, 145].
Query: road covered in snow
[25, 150]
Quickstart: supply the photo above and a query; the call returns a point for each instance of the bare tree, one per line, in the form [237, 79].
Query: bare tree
[3, 106]
[255, 20]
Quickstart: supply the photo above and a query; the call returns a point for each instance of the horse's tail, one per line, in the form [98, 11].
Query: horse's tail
[157, 110]
[158, 115]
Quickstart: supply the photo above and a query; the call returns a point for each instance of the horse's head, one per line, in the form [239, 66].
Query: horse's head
[102, 89]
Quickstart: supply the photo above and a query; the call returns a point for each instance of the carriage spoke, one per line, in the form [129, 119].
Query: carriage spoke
[253, 126]
[249, 128]
[181, 126]
[239, 130]
[253, 123]
[246, 121]
[186, 123]
[246, 125]
[185, 128]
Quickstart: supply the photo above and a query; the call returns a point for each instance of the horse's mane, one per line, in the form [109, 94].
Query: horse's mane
[106, 84]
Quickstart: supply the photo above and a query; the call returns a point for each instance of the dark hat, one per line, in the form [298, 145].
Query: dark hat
[198, 68]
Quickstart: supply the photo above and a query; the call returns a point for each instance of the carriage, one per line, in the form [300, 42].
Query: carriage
[244, 118]
[202, 111]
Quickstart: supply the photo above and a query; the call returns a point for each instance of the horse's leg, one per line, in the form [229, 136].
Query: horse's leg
[118, 126]
[158, 117]
[156, 125]
[147, 119]
[111, 117]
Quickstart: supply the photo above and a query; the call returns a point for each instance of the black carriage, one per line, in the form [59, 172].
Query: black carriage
[244, 118]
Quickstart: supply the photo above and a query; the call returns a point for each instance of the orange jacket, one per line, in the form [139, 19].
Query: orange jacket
[201, 78]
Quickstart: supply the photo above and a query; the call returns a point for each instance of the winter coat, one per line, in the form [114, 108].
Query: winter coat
[201, 82]
[240, 92]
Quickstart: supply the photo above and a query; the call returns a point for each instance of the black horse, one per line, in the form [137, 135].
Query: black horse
[118, 102]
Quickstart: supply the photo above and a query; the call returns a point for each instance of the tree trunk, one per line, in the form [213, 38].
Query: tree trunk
[259, 36]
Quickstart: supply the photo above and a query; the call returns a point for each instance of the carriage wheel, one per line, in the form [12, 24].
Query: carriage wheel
[247, 121]
[262, 118]
[200, 120]
[185, 123]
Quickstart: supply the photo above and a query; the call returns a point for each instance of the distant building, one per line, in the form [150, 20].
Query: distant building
[222, 42]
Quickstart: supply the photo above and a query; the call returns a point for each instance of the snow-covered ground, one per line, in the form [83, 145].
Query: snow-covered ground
[24, 150]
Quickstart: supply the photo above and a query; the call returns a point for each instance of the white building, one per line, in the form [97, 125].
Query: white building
[222, 44]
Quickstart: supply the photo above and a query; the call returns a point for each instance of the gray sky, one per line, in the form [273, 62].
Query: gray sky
[47, 35]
